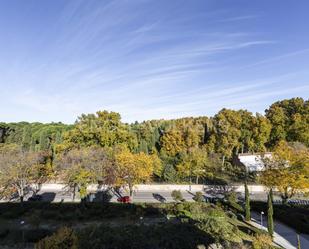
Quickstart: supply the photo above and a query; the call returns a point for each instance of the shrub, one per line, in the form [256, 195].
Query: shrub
[198, 197]
[177, 196]
[233, 202]
[262, 241]
[64, 238]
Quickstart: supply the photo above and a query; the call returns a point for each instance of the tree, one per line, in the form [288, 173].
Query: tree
[18, 170]
[270, 213]
[261, 129]
[26, 139]
[227, 125]
[198, 197]
[133, 168]
[289, 119]
[103, 129]
[247, 203]
[177, 195]
[169, 173]
[194, 163]
[80, 167]
[287, 170]
[172, 143]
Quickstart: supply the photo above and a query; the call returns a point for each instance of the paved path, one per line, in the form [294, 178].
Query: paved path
[284, 236]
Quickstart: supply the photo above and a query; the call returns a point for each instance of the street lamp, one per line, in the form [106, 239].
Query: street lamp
[22, 230]
[262, 218]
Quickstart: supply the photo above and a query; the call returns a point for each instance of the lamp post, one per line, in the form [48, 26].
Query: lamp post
[262, 218]
[22, 231]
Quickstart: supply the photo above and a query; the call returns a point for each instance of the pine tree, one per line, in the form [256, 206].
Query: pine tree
[270, 213]
[247, 203]
[26, 139]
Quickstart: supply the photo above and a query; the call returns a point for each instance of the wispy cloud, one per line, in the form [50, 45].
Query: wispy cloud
[145, 59]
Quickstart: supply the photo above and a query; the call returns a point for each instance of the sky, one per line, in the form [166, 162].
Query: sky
[149, 59]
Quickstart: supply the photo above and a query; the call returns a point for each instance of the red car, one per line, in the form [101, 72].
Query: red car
[124, 199]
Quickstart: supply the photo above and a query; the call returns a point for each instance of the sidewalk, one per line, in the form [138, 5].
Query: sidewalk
[284, 236]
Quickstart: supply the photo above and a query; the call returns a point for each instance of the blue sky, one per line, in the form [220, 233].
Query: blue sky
[149, 59]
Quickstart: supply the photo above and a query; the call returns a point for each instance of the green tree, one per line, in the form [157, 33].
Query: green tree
[194, 164]
[26, 139]
[270, 213]
[247, 203]
[143, 147]
[169, 173]
[177, 195]
[261, 129]
[103, 129]
[198, 197]
[227, 127]
[289, 119]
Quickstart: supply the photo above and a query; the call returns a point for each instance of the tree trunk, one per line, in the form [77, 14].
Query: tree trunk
[74, 193]
[285, 197]
[284, 200]
[21, 195]
[247, 203]
[196, 179]
[271, 195]
[223, 161]
[131, 191]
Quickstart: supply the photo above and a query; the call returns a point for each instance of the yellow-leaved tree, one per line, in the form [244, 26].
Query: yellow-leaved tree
[287, 170]
[135, 168]
[19, 171]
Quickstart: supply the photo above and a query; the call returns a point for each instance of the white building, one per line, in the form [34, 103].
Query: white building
[253, 161]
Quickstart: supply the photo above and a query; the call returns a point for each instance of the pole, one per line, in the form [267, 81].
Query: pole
[298, 242]
[262, 218]
[190, 178]
[22, 231]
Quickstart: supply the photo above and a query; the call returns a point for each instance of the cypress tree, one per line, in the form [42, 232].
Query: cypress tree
[270, 213]
[143, 147]
[247, 203]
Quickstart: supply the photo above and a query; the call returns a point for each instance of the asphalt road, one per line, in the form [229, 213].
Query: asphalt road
[138, 196]
[284, 236]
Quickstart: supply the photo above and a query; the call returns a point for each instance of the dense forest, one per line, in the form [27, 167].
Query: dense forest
[182, 145]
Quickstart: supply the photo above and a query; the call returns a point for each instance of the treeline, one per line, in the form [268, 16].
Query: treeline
[201, 147]
[33, 136]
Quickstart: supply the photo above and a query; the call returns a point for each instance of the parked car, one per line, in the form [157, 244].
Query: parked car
[35, 198]
[124, 199]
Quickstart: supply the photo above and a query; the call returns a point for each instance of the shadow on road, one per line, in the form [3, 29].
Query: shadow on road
[159, 197]
[100, 196]
[48, 196]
